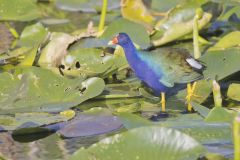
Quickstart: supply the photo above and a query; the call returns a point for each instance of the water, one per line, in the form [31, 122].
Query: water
[51, 147]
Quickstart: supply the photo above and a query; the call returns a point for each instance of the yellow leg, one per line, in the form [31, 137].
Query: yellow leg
[163, 101]
[190, 93]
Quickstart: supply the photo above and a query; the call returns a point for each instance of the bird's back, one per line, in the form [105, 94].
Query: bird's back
[173, 65]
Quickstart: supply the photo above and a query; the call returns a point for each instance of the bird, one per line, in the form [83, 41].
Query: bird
[163, 69]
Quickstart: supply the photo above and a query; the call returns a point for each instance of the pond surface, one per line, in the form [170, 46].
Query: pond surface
[50, 146]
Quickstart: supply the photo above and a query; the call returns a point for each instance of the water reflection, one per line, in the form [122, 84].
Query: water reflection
[49, 148]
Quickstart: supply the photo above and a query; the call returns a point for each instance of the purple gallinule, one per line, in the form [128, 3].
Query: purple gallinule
[163, 69]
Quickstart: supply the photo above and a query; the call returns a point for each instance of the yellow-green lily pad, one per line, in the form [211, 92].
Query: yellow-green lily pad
[234, 91]
[18, 10]
[33, 89]
[142, 143]
[30, 120]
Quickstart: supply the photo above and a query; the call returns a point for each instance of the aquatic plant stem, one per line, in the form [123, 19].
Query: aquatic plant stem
[217, 94]
[12, 30]
[103, 16]
[236, 138]
[197, 53]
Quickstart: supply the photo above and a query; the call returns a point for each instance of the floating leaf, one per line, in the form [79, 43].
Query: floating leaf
[88, 62]
[234, 91]
[33, 35]
[30, 120]
[85, 5]
[18, 55]
[142, 143]
[220, 114]
[90, 125]
[131, 121]
[131, 28]
[214, 156]
[191, 124]
[136, 11]
[203, 111]
[55, 50]
[36, 89]
[18, 10]
[179, 23]
[226, 62]
[228, 41]
[29, 57]
[162, 6]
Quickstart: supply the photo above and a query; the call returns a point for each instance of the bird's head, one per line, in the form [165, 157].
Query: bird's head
[121, 39]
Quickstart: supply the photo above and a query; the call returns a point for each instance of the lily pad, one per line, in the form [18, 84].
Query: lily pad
[142, 143]
[55, 50]
[220, 114]
[162, 6]
[90, 125]
[134, 30]
[30, 120]
[234, 91]
[17, 55]
[136, 11]
[88, 62]
[33, 35]
[24, 10]
[191, 124]
[203, 111]
[226, 62]
[35, 89]
[28, 57]
[228, 41]
[85, 5]
[179, 23]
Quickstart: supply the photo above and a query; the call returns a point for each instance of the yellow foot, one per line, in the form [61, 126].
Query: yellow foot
[190, 94]
[163, 101]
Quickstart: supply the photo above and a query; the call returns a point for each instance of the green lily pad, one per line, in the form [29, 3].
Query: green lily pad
[30, 120]
[142, 143]
[137, 32]
[226, 62]
[191, 124]
[24, 55]
[29, 57]
[35, 89]
[220, 114]
[88, 62]
[33, 35]
[131, 121]
[162, 6]
[179, 23]
[228, 41]
[85, 5]
[203, 111]
[90, 125]
[234, 91]
[15, 10]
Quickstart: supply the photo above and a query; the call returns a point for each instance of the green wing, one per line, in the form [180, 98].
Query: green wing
[172, 65]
